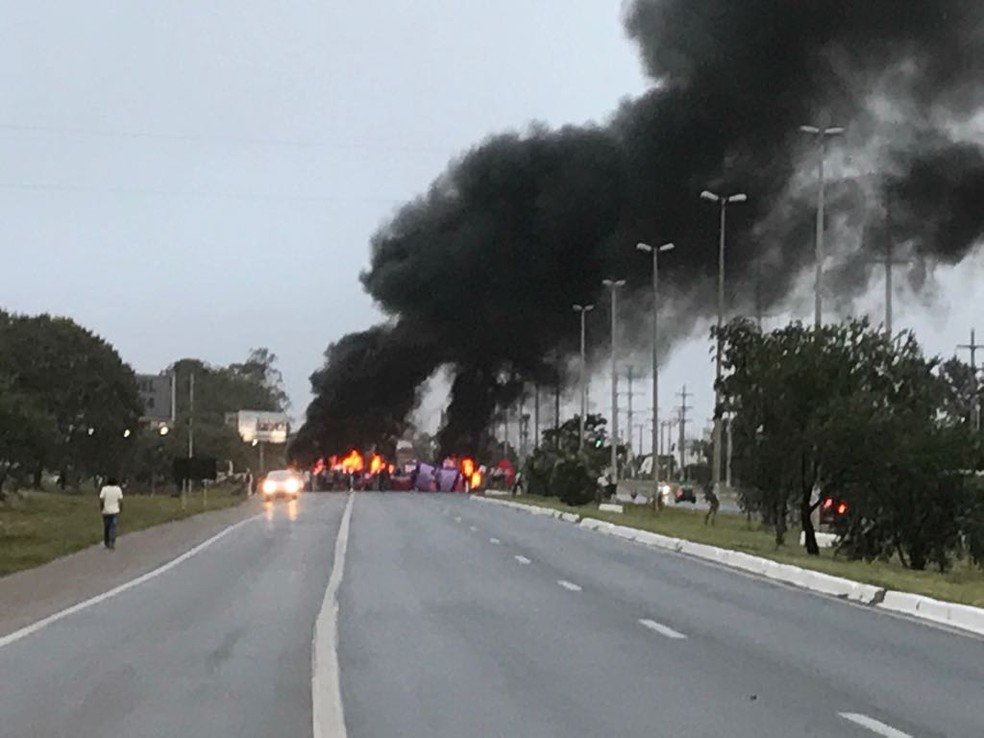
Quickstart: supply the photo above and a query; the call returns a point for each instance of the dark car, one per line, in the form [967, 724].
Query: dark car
[832, 511]
[685, 493]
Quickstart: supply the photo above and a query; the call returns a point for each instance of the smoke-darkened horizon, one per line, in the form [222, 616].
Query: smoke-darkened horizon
[480, 273]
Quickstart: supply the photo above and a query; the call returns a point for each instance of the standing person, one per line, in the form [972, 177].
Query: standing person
[713, 504]
[109, 502]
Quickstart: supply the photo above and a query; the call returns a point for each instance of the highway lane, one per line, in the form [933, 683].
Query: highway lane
[459, 618]
[220, 645]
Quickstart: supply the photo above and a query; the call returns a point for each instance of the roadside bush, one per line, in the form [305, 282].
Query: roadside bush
[572, 482]
[538, 472]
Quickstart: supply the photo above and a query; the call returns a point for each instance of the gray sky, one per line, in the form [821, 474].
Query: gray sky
[193, 178]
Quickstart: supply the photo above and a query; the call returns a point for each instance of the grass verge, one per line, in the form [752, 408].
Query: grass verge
[964, 583]
[40, 526]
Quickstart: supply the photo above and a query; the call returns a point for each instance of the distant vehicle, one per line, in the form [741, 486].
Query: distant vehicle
[282, 483]
[832, 511]
[685, 493]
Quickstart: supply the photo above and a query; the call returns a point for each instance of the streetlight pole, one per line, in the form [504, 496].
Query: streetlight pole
[723, 201]
[655, 251]
[583, 310]
[821, 133]
[613, 285]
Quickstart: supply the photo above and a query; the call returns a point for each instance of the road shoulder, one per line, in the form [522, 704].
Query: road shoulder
[964, 618]
[33, 594]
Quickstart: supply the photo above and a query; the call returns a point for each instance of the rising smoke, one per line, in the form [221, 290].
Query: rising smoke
[480, 273]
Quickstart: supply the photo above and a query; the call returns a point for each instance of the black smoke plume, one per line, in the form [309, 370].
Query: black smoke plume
[480, 273]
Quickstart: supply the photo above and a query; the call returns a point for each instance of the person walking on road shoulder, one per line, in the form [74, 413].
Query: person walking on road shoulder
[713, 504]
[109, 502]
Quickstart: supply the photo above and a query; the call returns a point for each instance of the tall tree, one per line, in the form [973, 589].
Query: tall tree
[77, 378]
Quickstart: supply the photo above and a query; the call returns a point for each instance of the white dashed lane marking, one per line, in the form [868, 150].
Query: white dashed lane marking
[662, 629]
[570, 586]
[522, 560]
[494, 541]
[875, 726]
[472, 528]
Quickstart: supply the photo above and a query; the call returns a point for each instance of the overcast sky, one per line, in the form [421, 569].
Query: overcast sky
[195, 178]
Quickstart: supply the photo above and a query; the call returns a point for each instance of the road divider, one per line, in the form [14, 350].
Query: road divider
[963, 617]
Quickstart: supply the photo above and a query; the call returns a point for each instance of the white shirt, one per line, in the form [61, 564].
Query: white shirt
[111, 496]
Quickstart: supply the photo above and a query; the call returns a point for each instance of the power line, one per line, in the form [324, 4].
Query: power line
[31, 128]
[252, 196]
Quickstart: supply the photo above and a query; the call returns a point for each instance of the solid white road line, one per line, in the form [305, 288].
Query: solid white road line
[327, 715]
[875, 726]
[522, 560]
[568, 585]
[495, 541]
[662, 629]
[44, 622]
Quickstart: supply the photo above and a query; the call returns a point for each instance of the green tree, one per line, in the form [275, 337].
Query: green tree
[26, 429]
[67, 373]
[847, 411]
[255, 384]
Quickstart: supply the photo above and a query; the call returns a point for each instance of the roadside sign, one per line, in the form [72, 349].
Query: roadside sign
[263, 427]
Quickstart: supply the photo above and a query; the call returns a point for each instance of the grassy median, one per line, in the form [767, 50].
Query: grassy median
[964, 583]
[36, 527]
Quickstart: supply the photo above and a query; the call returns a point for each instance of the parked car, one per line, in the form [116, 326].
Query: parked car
[685, 493]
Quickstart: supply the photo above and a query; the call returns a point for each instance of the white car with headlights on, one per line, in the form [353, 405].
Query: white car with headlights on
[282, 483]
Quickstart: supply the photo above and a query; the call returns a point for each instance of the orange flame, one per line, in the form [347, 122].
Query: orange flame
[467, 466]
[376, 464]
[351, 463]
[476, 480]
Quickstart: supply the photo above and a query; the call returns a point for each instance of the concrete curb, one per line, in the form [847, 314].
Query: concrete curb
[963, 617]
[953, 614]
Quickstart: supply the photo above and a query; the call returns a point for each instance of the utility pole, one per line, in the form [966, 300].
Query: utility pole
[186, 483]
[730, 417]
[536, 416]
[889, 261]
[613, 285]
[722, 201]
[630, 393]
[557, 413]
[582, 311]
[975, 406]
[522, 429]
[628, 378]
[821, 133]
[683, 424]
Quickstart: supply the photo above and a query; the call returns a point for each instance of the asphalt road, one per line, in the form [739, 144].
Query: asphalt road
[466, 619]
[220, 645]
